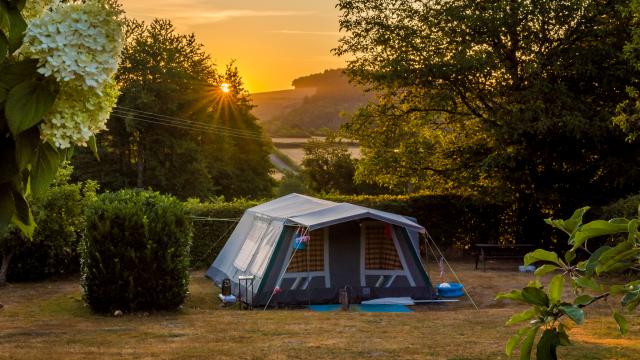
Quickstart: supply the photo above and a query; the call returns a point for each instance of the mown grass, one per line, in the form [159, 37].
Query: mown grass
[49, 320]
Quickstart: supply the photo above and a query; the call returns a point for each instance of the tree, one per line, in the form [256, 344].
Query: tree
[328, 167]
[174, 130]
[512, 99]
[554, 315]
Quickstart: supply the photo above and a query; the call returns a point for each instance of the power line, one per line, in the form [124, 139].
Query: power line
[193, 127]
[183, 121]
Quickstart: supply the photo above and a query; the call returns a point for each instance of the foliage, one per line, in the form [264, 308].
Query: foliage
[59, 214]
[628, 207]
[328, 167]
[291, 183]
[513, 100]
[173, 129]
[135, 252]
[50, 52]
[554, 315]
[209, 236]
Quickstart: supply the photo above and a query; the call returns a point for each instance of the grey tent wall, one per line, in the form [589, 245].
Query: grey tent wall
[318, 293]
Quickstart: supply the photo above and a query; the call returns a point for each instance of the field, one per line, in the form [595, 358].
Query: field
[49, 320]
[293, 148]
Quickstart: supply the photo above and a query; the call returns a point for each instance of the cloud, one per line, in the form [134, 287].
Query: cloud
[301, 32]
[197, 12]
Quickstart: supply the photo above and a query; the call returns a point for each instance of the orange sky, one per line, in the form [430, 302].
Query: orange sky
[273, 41]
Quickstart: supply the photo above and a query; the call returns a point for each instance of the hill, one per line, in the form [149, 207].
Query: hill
[312, 108]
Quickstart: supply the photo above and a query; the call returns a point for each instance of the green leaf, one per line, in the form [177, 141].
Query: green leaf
[587, 282]
[595, 229]
[16, 72]
[572, 223]
[535, 296]
[18, 26]
[555, 289]
[5, 21]
[593, 259]
[542, 255]
[569, 256]
[582, 300]
[512, 295]
[573, 312]
[523, 316]
[515, 340]
[7, 207]
[623, 325]
[563, 337]
[610, 259]
[546, 349]
[26, 104]
[26, 145]
[545, 269]
[631, 299]
[44, 168]
[94, 147]
[527, 343]
[4, 51]
[22, 217]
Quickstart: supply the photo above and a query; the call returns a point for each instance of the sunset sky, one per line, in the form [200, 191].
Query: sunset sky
[272, 41]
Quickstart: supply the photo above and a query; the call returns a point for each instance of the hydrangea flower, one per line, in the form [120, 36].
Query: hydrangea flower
[79, 43]
[78, 114]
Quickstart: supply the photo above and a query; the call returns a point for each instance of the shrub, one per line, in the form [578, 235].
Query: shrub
[210, 236]
[625, 207]
[135, 253]
[53, 250]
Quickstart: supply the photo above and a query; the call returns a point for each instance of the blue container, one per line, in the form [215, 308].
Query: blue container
[450, 290]
[299, 243]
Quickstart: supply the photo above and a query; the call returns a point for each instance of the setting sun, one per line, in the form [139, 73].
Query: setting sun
[225, 88]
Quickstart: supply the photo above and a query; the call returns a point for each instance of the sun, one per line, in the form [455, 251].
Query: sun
[225, 87]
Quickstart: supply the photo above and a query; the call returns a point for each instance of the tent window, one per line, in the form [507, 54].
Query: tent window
[380, 252]
[314, 251]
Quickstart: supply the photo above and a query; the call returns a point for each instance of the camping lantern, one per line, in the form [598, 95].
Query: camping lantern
[226, 287]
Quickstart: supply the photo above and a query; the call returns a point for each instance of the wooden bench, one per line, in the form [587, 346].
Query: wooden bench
[500, 251]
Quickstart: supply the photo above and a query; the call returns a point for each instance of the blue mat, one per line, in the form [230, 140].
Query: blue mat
[377, 308]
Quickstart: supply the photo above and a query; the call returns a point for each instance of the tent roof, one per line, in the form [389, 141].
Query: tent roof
[316, 213]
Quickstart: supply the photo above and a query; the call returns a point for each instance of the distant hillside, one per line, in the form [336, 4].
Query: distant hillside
[312, 108]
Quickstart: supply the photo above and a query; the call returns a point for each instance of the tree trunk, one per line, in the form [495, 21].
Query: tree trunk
[6, 258]
[140, 162]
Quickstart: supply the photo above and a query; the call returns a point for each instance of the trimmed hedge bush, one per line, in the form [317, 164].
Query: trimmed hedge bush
[135, 253]
[210, 236]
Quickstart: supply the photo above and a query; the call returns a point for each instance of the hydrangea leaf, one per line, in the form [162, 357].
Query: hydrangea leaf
[44, 168]
[26, 104]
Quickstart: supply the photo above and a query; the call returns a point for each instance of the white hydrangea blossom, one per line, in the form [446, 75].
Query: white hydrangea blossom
[78, 114]
[78, 43]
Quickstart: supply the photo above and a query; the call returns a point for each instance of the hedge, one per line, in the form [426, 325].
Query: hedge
[135, 253]
[209, 236]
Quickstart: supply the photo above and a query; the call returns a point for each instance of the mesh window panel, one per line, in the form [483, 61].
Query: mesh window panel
[314, 250]
[380, 253]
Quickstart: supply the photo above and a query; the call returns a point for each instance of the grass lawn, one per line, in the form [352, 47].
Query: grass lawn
[49, 320]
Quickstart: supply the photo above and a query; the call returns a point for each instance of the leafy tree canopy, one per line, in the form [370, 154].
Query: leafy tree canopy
[513, 99]
[174, 130]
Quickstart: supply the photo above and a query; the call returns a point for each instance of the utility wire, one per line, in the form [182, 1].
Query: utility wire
[147, 114]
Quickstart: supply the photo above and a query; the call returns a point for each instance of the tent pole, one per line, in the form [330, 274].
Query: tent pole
[285, 269]
[451, 268]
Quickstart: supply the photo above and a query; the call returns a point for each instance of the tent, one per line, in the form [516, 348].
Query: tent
[303, 250]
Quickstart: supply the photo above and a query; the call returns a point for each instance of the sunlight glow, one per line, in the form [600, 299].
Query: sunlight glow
[225, 87]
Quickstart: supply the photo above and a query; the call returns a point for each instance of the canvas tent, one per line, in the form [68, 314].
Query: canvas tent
[373, 253]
